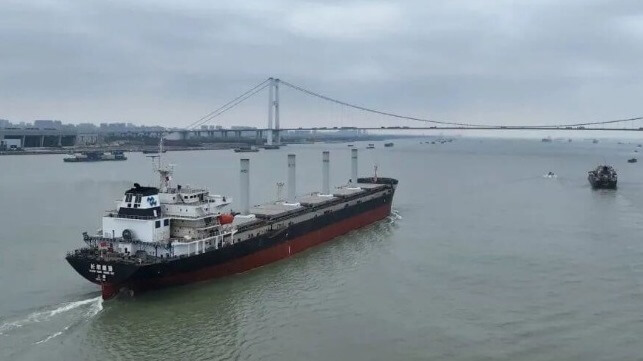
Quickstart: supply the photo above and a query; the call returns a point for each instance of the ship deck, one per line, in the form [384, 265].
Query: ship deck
[278, 211]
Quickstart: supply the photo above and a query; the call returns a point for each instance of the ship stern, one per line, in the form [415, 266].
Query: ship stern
[111, 275]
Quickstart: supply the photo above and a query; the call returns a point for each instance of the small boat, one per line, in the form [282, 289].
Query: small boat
[246, 150]
[595, 141]
[271, 146]
[550, 175]
[546, 140]
[603, 177]
[350, 145]
[632, 160]
[152, 151]
[388, 145]
[370, 146]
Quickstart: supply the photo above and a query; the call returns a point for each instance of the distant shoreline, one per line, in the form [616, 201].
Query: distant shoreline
[128, 149]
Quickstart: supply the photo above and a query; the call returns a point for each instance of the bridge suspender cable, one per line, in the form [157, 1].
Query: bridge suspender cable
[229, 105]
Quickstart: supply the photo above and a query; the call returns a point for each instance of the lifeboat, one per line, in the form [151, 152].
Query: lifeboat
[226, 218]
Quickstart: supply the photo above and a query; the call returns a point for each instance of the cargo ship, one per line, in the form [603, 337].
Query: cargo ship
[170, 235]
[603, 177]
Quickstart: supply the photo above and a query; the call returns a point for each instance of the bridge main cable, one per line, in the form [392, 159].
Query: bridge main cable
[310, 92]
[380, 112]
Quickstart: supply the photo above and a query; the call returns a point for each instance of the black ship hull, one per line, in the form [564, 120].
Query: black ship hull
[597, 183]
[242, 256]
[74, 160]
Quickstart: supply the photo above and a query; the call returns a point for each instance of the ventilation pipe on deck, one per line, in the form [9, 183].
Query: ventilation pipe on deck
[292, 191]
[354, 166]
[325, 172]
[245, 186]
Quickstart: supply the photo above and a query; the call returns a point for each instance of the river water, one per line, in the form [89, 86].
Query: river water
[484, 259]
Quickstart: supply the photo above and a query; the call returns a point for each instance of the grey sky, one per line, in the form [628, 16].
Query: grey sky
[170, 62]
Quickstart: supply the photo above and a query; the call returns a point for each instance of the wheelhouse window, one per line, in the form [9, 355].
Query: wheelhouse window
[158, 224]
[166, 222]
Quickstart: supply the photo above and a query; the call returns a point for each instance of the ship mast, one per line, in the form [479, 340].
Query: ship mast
[160, 150]
[164, 172]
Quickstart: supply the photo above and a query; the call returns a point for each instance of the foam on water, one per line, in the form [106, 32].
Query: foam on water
[44, 320]
[96, 305]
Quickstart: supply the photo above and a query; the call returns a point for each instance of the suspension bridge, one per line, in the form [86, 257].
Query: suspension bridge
[273, 127]
[362, 118]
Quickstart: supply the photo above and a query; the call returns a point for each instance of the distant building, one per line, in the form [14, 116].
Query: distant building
[87, 127]
[241, 127]
[47, 124]
[4, 123]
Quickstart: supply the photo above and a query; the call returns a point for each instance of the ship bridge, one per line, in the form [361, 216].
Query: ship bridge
[138, 217]
[140, 201]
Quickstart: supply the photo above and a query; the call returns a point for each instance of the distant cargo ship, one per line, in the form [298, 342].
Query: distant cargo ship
[388, 145]
[603, 177]
[174, 235]
[95, 157]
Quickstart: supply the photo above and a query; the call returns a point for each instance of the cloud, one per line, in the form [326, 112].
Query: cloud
[169, 62]
[345, 21]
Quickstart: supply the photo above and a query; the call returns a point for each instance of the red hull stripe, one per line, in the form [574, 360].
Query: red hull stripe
[109, 290]
[276, 253]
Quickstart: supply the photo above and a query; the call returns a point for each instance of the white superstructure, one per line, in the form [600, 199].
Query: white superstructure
[166, 221]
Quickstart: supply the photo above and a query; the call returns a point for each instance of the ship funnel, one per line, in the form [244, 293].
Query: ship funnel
[245, 186]
[325, 172]
[292, 190]
[353, 165]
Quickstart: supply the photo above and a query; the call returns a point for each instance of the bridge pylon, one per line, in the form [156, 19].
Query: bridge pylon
[273, 136]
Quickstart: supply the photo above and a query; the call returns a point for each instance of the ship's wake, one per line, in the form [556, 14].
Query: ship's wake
[47, 323]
